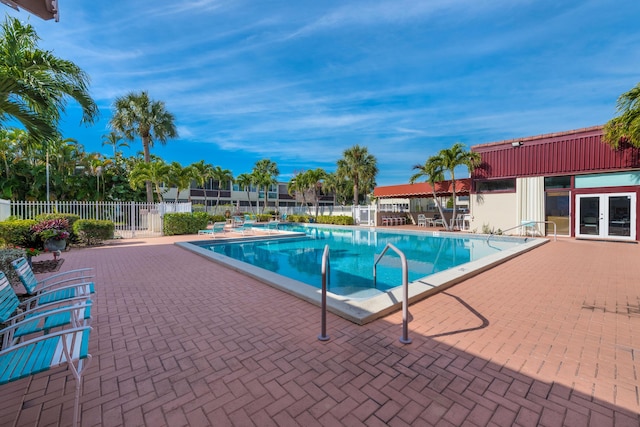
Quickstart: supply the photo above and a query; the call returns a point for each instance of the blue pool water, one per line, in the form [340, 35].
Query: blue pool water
[353, 252]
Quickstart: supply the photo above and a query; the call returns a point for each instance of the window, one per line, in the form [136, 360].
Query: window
[557, 182]
[496, 185]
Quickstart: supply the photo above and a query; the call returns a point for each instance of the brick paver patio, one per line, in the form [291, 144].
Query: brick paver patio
[549, 338]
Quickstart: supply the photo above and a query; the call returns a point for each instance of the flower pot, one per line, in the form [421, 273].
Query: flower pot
[52, 245]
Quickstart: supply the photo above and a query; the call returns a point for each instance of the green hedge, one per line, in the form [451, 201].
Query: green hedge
[92, 231]
[17, 232]
[184, 223]
[336, 220]
[298, 218]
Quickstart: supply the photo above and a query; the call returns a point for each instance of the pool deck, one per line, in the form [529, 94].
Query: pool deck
[548, 338]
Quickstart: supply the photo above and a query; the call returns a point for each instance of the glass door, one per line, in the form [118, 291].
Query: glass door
[605, 216]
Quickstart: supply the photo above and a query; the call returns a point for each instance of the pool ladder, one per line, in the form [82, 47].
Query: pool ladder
[326, 274]
[326, 277]
[404, 339]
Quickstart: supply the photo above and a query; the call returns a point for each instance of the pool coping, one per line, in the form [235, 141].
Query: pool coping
[365, 310]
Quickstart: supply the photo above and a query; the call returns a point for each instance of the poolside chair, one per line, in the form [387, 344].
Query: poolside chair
[246, 227]
[50, 288]
[37, 317]
[216, 228]
[422, 220]
[237, 221]
[70, 347]
[272, 226]
[437, 221]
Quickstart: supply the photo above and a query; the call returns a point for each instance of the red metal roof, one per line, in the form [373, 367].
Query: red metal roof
[423, 189]
[577, 151]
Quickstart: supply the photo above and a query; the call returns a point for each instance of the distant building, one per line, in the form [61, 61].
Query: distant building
[231, 194]
[588, 189]
[571, 179]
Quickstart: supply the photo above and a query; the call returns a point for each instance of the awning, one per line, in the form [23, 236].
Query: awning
[423, 189]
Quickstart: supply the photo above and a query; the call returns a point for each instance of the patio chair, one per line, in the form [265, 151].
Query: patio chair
[437, 221]
[422, 220]
[50, 288]
[237, 221]
[37, 317]
[70, 347]
[216, 228]
[246, 227]
[272, 226]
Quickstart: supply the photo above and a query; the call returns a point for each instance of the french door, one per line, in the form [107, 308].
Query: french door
[606, 216]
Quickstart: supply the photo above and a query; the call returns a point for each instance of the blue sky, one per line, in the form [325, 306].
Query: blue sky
[301, 81]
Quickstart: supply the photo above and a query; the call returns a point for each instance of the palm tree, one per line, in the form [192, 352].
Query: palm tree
[113, 139]
[35, 85]
[223, 177]
[433, 172]
[313, 180]
[137, 114]
[202, 173]
[297, 186]
[245, 180]
[265, 173]
[450, 159]
[155, 172]
[626, 127]
[180, 177]
[360, 167]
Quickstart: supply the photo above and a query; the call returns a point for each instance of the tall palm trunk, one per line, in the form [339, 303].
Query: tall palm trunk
[147, 159]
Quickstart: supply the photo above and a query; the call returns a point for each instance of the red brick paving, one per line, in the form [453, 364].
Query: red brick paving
[549, 338]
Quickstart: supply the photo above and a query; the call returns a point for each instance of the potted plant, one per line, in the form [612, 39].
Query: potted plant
[53, 233]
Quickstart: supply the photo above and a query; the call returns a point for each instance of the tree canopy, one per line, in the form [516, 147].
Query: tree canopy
[625, 128]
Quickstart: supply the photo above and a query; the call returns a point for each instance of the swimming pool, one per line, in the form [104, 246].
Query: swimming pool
[293, 263]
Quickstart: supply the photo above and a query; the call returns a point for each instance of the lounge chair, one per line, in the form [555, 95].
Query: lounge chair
[237, 221]
[216, 228]
[39, 354]
[50, 289]
[246, 227]
[37, 317]
[272, 226]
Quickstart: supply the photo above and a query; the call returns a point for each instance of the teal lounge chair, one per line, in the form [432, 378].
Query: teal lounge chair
[217, 228]
[70, 347]
[272, 226]
[37, 317]
[50, 289]
[246, 227]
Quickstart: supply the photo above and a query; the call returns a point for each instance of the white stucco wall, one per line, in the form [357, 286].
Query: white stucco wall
[497, 210]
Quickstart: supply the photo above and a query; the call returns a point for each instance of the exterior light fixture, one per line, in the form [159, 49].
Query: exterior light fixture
[516, 143]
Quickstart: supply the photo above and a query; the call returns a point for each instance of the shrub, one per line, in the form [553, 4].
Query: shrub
[92, 231]
[17, 232]
[298, 218]
[217, 218]
[6, 256]
[263, 217]
[56, 229]
[336, 220]
[184, 223]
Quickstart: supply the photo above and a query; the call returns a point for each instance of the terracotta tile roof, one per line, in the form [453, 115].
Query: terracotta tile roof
[423, 189]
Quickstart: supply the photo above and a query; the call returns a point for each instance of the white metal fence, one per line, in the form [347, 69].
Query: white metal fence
[131, 219]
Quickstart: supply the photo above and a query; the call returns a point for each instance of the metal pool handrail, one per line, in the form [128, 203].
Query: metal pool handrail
[527, 224]
[404, 339]
[326, 277]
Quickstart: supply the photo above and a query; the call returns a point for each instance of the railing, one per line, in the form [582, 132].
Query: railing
[528, 224]
[131, 219]
[326, 277]
[404, 339]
